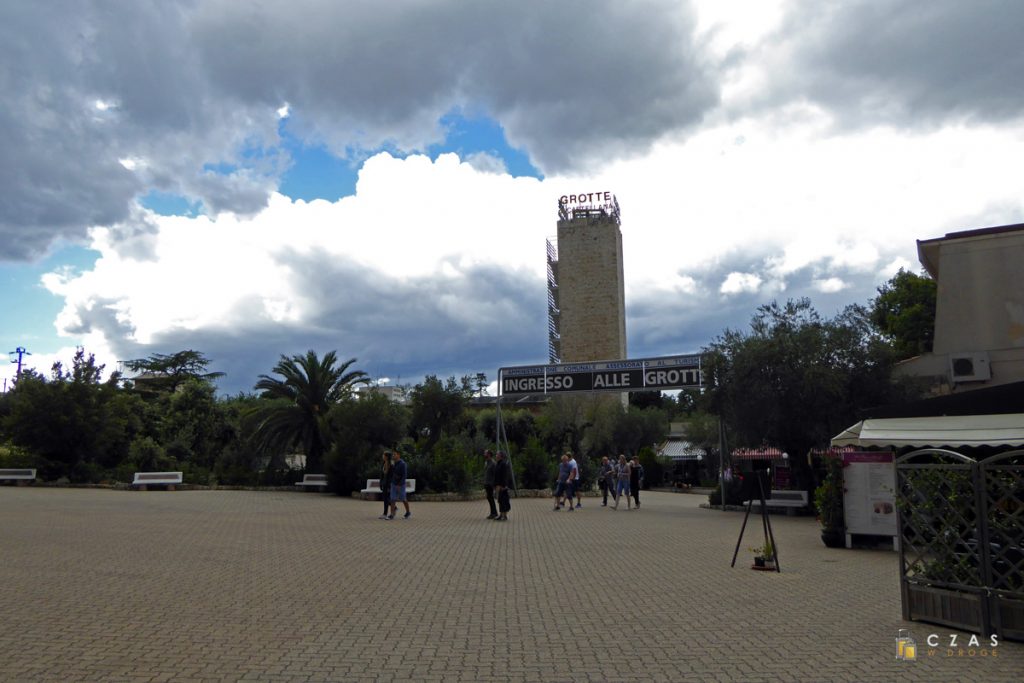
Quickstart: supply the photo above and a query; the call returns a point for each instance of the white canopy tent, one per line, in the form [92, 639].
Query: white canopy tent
[935, 432]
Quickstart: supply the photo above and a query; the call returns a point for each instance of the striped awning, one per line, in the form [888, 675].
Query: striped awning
[681, 450]
[762, 453]
[951, 431]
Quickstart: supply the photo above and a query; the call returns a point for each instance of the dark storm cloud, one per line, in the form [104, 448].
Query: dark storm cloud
[185, 86]
[569, 80]
[665, 323]
[472, 322]
[87, 85]
[906, 62]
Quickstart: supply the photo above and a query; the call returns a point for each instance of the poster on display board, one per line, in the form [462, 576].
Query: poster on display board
[869, 494]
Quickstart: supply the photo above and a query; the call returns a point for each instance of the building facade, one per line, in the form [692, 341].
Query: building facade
[979, 309]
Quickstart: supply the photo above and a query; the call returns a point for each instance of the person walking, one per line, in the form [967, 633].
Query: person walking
[605, 480]
[385, 482]
[561, 484]
[489, 482]
[636, 479]
[573, 484]
[623, 483]
[398, 472]
[502, 482]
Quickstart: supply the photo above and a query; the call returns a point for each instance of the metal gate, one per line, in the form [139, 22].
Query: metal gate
[961, 528]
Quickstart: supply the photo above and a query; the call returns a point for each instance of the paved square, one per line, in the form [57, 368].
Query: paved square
[99, 585]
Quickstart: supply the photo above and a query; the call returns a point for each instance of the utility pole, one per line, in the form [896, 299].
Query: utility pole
[20, 352]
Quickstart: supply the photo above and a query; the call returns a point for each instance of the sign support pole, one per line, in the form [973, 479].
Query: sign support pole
[501, 438]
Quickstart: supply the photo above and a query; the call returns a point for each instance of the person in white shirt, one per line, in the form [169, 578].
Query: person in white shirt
[574, 478]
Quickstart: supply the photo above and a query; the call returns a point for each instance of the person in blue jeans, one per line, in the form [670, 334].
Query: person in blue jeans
[562, 487]
[623, 484]
[398, 471]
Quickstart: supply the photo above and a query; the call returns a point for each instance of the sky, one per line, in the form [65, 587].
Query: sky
[255, 180]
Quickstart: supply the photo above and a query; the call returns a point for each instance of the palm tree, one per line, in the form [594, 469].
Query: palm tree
[297, 414]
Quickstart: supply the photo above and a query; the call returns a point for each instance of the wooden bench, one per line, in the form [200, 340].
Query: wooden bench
[313, 481]
[792, 500]
[19, 476]
[143, 480]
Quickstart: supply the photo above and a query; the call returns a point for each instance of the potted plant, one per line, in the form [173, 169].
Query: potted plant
[828, 499]
[764, 556]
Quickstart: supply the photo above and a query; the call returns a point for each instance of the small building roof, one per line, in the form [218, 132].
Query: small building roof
[677, 449]
[949, 431]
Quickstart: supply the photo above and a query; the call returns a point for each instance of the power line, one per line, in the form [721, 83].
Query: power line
[21, 351]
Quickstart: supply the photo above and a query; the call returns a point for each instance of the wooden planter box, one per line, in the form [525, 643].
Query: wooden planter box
[943, 606]
[1011, 617]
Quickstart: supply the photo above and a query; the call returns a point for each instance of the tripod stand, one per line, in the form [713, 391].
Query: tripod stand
[765, 521]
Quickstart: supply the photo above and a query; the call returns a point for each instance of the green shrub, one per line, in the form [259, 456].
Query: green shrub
[533, 467]
[828, 498]
[12, 457]
[654, 467]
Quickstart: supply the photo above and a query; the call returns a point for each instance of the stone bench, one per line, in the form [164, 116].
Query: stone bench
[19, 476]
[316, 482]
[793, 500]
[372, 489]
[143, 480]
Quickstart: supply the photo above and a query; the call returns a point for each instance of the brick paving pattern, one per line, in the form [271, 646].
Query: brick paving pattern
[99, 585]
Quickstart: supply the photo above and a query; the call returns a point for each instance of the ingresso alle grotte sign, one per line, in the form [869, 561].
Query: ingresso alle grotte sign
[642, 374]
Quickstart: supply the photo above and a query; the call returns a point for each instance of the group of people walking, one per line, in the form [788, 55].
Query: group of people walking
[497, 480]
[620, 477]
[617, 478]
[393, 471]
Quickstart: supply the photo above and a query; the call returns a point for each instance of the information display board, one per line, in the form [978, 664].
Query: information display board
[642, 374]
[869, 494]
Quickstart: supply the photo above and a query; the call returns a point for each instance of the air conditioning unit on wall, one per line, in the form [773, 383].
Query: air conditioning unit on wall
[969, 367]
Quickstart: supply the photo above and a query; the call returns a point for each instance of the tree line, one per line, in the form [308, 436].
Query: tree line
[793, 380]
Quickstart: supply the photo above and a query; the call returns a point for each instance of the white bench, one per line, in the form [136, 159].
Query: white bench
[785, 499]
[313, 481]
[146, 479]
[21, 476]
[373, 486]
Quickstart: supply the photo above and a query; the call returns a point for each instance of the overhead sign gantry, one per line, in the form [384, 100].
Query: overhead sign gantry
[641, 374]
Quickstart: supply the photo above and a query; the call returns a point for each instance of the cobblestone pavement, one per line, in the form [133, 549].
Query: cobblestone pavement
[99, 585]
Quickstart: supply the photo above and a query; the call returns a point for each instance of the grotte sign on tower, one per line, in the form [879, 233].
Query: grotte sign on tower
[587, 200]
[642, 374]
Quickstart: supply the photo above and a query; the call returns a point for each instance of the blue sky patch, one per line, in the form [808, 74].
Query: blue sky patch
[316, 173]
[32, 308]
[170, 204]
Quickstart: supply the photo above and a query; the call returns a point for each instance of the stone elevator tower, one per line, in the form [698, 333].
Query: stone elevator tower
[586, 293]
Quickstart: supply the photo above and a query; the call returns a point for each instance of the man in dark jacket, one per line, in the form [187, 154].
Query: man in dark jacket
[502, 482]
[636, 480]
[489, 482]
[606, 480]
